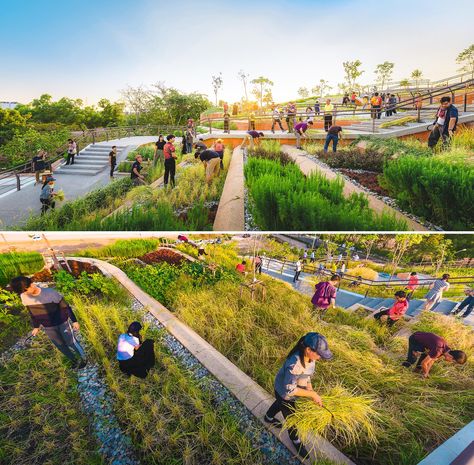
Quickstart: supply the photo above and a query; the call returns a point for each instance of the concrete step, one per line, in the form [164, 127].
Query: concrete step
[346, 299]
[385, 303]
[444, 307]
[414, 308]
[84, 172]
[93, 157]
[88, 161]
[374, 302]
[365, 301]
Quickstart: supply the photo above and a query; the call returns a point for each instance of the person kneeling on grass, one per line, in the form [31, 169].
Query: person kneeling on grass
[325, 295]
[427, 348]
[294, 380]
[211, 160]
[396, 311]
[48, 309]
[134, 356]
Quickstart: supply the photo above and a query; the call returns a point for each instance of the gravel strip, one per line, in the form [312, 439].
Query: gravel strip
[387, 200]
[249, 221]
[273, 451]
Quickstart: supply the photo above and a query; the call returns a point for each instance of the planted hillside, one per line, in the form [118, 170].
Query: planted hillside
[434, 189]
[283, 198]
[17, 263]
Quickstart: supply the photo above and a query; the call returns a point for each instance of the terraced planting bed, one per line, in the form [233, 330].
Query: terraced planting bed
[436, 187]
[281, 197]
[418, 413]
[191, 205]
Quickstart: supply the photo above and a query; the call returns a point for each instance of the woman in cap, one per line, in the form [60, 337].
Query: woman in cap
[135, 357]
[294, 380]
[47, 195]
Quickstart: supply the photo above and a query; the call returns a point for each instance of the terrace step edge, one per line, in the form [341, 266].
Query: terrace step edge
[245, 389]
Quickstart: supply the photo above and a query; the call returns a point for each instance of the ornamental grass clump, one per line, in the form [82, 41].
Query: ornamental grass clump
[345, 416]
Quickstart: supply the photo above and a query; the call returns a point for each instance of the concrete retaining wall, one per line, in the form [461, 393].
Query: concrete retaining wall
[246, 390]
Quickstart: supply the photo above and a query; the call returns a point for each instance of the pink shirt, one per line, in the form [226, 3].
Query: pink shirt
[398, 309]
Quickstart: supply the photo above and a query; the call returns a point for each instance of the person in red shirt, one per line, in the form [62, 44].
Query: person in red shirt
[240, 267]
[412, 285]
[169, 152]
[396, 311]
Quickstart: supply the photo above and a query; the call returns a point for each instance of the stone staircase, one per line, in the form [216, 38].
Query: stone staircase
[91, 160]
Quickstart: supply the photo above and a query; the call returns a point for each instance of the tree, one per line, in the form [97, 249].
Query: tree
[217, 84]
[352, 72]
[138, 100]
[384, 72]
[244, 77]
[416, 76]
[405, 83]
[11, 123]
[466, 58]
[268, 97]
[402, 243]
[261, 85]
[368, 241]
[321, 88]
[303, 92]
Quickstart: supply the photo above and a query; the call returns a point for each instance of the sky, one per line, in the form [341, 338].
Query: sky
[91, 49]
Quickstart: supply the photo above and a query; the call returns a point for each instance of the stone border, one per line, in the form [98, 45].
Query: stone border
[246, 390]
[308, 166]
[230, 212]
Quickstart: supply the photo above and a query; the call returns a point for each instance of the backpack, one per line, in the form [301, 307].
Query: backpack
[322, 296]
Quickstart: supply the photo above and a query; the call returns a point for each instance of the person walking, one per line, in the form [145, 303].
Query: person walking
[135, 176]
[291, 116]
[218, 147]
[158, 156]
[135, 357]
[293, 380]
[376, 105]
[258, 264]
[467, 302]
[71, 151]
[226, 123]
[317, 107]
[169, 153]
[412, 285]
[445, 123]
[435, 294]
[298, 268]
[300, 131]
[426, 348]
[112, 160]
[328, 112]
[325, 295]
[276, 119]
[47, 195]
[312, 257]
[345, 99]
[38, 164]
[396, 311]
[211, 160]
[334, 133]
[251, 139]
[49, 310]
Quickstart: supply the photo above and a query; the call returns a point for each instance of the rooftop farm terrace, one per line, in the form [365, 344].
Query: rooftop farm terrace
[256, 336]
[191, 205]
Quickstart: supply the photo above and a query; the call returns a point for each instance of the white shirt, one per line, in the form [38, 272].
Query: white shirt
[126, 345]
[298, 266]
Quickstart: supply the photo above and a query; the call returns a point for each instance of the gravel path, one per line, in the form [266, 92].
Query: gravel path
[273, 451]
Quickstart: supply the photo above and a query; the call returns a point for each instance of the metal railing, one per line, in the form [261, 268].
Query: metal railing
[415, 105]
[84, 138]
[314, 269]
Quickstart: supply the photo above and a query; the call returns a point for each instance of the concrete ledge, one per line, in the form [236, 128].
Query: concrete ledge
[244, 388]
[308, 166]
[230, 212]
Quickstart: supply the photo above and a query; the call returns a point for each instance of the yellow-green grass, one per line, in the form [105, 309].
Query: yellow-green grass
[41, 421]
[170, 419]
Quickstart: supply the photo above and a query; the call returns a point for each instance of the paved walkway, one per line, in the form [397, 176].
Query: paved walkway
[17, 206]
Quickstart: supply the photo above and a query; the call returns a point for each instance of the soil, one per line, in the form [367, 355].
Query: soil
[162, 255]
[368, 179]
[78, 267]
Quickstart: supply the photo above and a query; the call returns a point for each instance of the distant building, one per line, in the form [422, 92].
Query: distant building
[8, 105]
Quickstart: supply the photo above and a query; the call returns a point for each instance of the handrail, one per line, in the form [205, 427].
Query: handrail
[88, 136]
[368, 282]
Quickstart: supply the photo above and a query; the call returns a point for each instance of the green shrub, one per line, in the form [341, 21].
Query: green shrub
[19, 263]
[146, 151]
[370, 160]
[271, 150]
[433, 189]
[282, 198]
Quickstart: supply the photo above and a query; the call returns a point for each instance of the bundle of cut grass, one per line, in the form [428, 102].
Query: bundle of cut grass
[59, 195]
[345, 417]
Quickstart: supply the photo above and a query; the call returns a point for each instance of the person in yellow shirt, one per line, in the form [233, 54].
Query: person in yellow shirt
[252, 122]
[328, 111]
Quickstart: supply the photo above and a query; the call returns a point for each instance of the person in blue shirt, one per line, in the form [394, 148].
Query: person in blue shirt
[294, 380]
[444, 124]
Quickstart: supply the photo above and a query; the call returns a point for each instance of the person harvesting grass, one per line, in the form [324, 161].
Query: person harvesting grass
[294, 380]
[49, 309]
